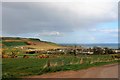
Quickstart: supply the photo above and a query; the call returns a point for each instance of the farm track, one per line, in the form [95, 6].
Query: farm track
[106, 71]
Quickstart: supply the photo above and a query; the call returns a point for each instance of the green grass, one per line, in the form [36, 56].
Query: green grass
[32, 66]
[11, 38]
[14, 43]
[20, 67]
[34, 39]
[27, 55]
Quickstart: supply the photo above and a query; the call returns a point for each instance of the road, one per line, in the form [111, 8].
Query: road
[106, 71]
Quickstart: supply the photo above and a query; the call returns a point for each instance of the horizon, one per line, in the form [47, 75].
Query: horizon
[54, 42]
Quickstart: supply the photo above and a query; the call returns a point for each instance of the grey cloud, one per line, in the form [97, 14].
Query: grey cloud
[17, 21]
[1, 19]
[29, 17]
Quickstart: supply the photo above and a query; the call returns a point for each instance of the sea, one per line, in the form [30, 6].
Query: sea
[109, 45]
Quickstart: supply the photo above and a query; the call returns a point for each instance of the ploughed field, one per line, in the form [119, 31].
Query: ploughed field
[20, 67]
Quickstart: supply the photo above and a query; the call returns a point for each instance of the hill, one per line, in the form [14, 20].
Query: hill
[27, 42]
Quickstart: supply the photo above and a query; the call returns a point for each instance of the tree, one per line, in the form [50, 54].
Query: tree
[108, 51]
[98, 50]
[74, 51]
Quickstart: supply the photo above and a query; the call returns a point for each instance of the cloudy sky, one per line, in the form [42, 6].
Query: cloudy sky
[85, 21]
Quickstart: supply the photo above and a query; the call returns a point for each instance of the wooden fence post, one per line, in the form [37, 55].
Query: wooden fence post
[81, 61]
[48, 63]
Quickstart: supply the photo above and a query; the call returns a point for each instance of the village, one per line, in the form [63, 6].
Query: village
[75, 50]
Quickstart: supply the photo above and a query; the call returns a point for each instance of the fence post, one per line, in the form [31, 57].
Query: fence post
[48, 63]
[62, 62]
[81, 61]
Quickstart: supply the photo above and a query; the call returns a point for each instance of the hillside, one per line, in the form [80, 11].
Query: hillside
[27, 42]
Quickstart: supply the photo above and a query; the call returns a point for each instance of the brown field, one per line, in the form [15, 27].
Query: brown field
[44, 46]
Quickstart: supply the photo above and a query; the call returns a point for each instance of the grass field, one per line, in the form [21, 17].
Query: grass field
[14, 43]
[20, 67]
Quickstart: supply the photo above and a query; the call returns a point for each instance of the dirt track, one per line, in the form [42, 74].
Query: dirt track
[107, 71]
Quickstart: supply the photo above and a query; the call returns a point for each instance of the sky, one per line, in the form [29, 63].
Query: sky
[81, 21]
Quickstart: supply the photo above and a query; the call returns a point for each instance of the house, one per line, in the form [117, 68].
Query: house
[116, 51]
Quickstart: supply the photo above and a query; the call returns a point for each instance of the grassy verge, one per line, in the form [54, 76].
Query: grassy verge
[19, 67]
